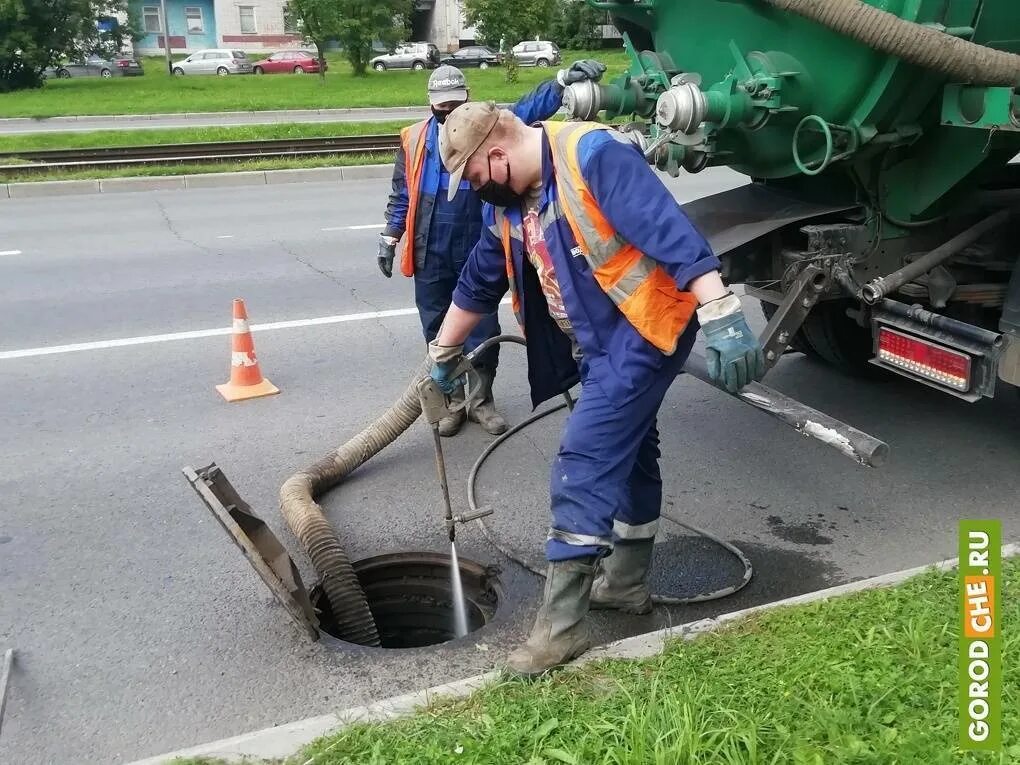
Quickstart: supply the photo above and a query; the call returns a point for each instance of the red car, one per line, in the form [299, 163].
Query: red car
[296, 61]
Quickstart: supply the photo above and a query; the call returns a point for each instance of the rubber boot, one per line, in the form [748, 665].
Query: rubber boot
[484, 412]
[560, 632]
[452, 423]
[621, 583]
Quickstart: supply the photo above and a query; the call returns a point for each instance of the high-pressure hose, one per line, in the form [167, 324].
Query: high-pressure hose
[960, 60]
[347, 601]
[568, 403]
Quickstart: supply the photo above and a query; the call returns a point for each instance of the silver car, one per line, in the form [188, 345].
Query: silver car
[220, 61]
[536, 53]
[409, 56]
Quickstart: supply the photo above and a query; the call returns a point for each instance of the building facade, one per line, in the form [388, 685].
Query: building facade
[259, 25]
[254, 25]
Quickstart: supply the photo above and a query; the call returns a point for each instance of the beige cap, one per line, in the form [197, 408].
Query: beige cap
[464, 130]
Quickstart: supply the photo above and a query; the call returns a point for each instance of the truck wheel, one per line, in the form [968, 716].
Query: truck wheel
[840, 341]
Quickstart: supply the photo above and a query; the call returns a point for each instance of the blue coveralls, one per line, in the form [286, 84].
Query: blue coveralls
[446, 231]
[605, 483]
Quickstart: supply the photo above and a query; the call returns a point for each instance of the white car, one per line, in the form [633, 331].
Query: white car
[220, 61]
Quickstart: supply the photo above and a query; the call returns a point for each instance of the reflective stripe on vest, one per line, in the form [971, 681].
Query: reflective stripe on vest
[643, 291]
[506, 232]
[412, 139]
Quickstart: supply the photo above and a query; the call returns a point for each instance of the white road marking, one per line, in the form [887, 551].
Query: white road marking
[51, 350]
[226, 236]
[354, 228]
[9, 252]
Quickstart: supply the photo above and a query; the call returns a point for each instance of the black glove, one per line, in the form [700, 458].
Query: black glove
[387, 252]
[585, 69]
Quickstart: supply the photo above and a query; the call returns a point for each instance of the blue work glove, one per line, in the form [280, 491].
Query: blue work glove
[733, 353]
[445, 360]
[579, 71]
[387, 252]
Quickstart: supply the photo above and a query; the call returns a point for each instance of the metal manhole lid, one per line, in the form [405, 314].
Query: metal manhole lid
[264, 551]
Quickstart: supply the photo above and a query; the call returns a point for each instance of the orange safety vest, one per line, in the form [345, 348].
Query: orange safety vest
[412, 139]
[642, 289]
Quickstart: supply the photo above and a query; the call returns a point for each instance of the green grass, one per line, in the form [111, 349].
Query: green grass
[158, 92]
[225, 167]
[869, 678]
[103, 138]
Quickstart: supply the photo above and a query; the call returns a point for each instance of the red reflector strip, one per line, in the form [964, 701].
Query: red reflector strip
[936, 363]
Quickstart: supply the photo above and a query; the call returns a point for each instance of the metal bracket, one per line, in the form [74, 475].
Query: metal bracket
[257, 541]
[810, 284]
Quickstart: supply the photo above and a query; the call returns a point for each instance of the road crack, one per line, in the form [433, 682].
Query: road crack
[339, 283]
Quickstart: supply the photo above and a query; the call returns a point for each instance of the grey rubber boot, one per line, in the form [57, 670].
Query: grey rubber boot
[484, 412]
[560, 632]
[452, 423]
[621, 583]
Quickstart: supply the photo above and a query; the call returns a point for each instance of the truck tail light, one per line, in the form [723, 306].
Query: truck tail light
[924, 359]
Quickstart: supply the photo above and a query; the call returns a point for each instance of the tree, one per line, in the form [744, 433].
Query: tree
[576, 25]
[355, 24]
[516, 21]
[35, 35]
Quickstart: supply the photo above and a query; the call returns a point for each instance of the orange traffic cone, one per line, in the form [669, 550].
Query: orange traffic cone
[246, 380]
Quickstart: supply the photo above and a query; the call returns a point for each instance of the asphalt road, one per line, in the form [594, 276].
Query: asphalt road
[139, 626]
[20, 126]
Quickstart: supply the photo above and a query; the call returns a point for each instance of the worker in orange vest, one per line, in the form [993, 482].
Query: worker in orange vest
[610, 282]
[440, 232]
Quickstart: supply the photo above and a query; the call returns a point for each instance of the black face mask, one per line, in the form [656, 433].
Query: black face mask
[440, 115]
[499, 194]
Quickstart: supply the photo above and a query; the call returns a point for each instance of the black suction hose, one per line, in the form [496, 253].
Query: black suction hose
[670, 600]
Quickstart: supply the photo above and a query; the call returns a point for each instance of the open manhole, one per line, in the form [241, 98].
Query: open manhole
[410, 595]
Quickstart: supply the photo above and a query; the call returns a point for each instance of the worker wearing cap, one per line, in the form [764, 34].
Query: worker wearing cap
[440, 232]
[609, 282]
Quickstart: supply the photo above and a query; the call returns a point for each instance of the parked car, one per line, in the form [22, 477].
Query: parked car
[411, 56]
[94, 66]
[221, 61]
[473, 55]
[536, 53]
[296, 61]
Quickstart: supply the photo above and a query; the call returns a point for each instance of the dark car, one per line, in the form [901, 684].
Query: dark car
[474, 55]
[289, 61]
[94, 66]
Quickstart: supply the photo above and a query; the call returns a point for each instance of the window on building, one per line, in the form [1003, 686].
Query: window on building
[291, 23]
[247, 16]
[193, 15]
[151, 19]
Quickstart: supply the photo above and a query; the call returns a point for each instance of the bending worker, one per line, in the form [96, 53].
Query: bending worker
[609, 281]
[440, 232]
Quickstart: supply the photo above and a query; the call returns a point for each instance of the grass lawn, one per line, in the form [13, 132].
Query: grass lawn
[158, 92]
[225, 167]
[869, 678]
[103, 138]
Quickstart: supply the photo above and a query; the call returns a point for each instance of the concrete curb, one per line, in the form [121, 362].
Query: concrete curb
[201, 181]
[396, 110]
[284, 740]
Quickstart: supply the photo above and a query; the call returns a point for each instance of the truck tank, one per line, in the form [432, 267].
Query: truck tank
[878, 137]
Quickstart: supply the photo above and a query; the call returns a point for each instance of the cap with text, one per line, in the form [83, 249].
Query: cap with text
[446, 84]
